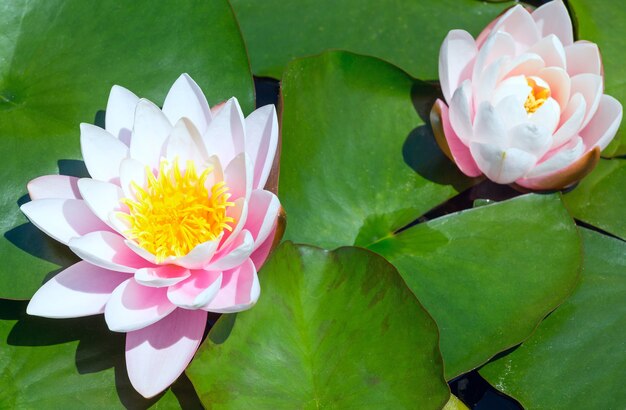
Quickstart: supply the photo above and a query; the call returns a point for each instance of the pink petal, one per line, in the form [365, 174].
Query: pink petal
[501, 165]
[262, 214]
[460, 152]
[197, 290]
[225, 136]
[185, 143]
[571, 121]
[560, 84]
[456, 59]
[238, 176]
[526, 64]
[80, 290]
[239, 290]
[54, 186]
[553, 18]
[102, 153]
[161, 276]
[158, 354]
[551, 51]
[63, 219]
[497, 46]
[235, 254]
[107, 250]
[151, 129]
[185, 99]
[133, 306]
[590, 86]
[558, 159]
[261, 142]
[604, 124]
[103, 198]
[461, 113]
[583, 57]
[120, 113]
[259, 256]
[518, 22]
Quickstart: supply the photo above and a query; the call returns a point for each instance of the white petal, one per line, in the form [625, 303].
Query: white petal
[103, 198]
[518, 22]
[498, 45]
[151, 129]
[161, 276]
[107, 250]
[196, 291]
[198, 257]
[488, 127]
[583, 57]
[553, 18]
[502, 166]
[102, 152]
[53, 186]
[132, 172]
[233, 256]
[603, 126]
[547, 116]
[590, 86]
[225, 136]
[456, 59]
[62, 219]
[530, 138]
[185, 143]
[461, 112]
[185, 99]
[559, 84]
[120, 113]
[572, 119]
[238, 176]
[551, 51]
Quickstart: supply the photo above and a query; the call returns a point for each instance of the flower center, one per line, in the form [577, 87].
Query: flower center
[175, 211]
[537, 96]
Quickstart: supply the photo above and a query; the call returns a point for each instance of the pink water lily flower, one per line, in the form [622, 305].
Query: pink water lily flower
[525, 103]
[173, 223]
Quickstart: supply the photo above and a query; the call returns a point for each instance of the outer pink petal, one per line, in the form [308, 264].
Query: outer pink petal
[54, 186]
[107, 250]
[63, 219]
[239, 290]
[197, 290]
[133, 306]
[604, 124]
[571, 121]
[80, 290]
[590, 86]
[552, 18]
[259, 256]
[225, 136]
[185, 99]
[583, 57]
[518, 22]
[459, 151]
[151, 129]
[456, 60]
[158, 354]
[551, 51]
[102, 153]
[238, 176]
[120, 113]
[262, 215]
[261, 142]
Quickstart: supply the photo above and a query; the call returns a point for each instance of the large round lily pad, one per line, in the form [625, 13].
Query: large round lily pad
[488, 275]
[576, 357]
[58, 61]
[331, 330]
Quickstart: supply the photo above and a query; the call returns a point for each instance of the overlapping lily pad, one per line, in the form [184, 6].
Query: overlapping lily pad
[603, 23]
[358, 162]
[600, 198]
[58, 61]
[407, 33]
[576, 357]
[331, 330]
[488, 275]
[67, 364]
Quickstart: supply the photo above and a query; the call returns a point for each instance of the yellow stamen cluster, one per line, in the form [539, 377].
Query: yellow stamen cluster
[537, 96]
[175, 212]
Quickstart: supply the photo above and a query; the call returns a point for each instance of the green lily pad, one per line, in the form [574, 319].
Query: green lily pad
[488, 275]
[58, 62]
[407, 33]
[575, 359]
[70, 364]
[603, 23]
[358, 162]
[331, 330]
[600, 198]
